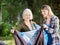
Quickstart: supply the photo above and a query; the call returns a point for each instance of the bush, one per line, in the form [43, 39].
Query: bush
[5, 29]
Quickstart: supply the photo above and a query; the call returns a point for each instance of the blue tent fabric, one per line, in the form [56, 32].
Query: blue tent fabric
[47, 38]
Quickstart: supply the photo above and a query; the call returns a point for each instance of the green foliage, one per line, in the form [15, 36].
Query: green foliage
[5, 30]
[11, 9]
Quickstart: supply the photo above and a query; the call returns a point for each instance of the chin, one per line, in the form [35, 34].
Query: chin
[44, 16]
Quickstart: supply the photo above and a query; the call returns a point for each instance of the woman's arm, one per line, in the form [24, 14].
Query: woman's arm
[19, 27]
[55, 29]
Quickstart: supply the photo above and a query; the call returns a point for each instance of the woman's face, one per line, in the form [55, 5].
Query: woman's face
[27, 16]
[44, 13]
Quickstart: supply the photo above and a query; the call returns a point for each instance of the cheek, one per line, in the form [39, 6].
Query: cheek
[46, 12]
[25, 17]
[29, 16]
[42, 13]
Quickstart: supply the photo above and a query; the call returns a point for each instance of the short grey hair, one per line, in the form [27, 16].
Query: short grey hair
[26, 11]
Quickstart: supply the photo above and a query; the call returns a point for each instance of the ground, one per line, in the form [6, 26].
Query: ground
[7, 40]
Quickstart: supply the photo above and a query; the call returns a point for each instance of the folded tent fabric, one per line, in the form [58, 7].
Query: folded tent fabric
[19, 40]
[38, 41]
[40, 37]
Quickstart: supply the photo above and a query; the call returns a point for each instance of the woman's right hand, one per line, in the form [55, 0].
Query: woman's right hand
[45, 26]
[12, 30]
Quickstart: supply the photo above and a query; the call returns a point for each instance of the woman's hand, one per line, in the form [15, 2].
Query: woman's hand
[12, 30]
[45, 26]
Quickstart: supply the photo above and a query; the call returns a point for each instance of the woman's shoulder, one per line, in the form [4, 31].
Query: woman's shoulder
[55, 17]
[33, 22]
[21, 23]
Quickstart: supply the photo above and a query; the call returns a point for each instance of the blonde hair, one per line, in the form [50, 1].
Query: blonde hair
[26, 11]
[47, 7]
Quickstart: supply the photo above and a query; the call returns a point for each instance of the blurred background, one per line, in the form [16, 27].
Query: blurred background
[11, 15]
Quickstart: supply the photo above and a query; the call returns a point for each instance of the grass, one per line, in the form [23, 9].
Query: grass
[8, 40]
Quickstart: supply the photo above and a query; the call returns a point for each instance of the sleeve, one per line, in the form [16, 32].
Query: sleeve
[56, 27]
[19, 27]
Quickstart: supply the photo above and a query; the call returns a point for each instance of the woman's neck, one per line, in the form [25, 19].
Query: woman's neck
[48, 19]
[27, 21]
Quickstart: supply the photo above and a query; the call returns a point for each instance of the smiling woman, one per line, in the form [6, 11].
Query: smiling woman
[26, 30]
[51, 25]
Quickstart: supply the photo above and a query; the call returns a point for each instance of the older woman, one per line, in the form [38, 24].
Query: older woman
[51, 24]
[27, 28]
